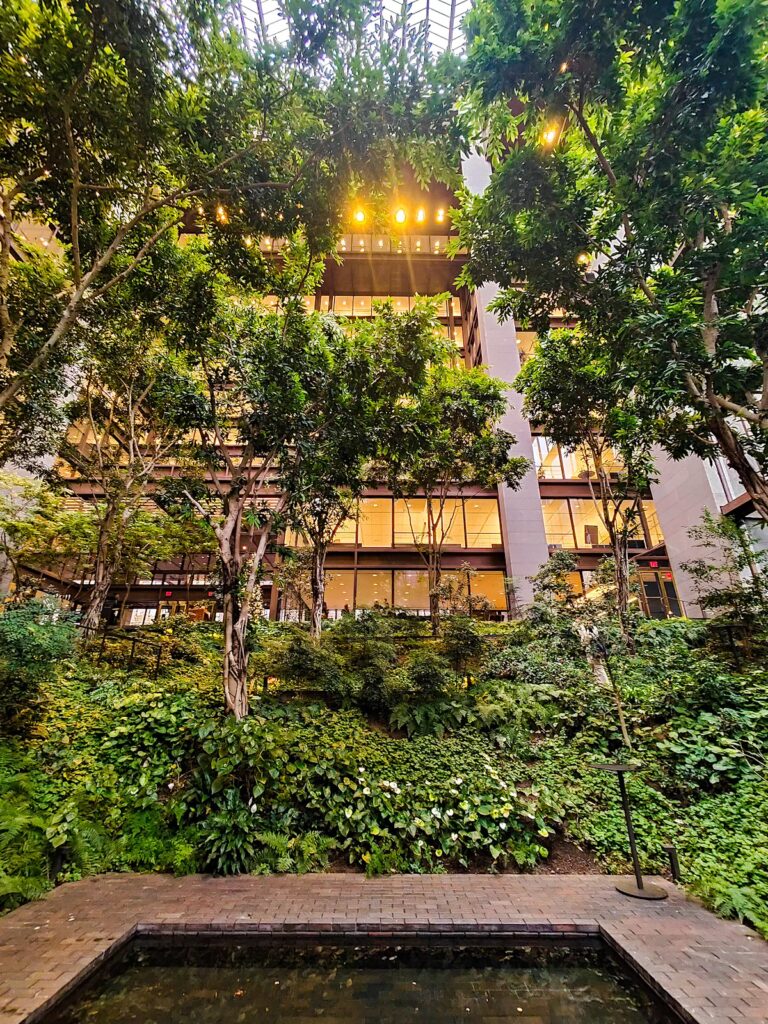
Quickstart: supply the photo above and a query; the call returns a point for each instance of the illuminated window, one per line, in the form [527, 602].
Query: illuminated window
[587, 524]
[362, 305]
[557, 522]
[373, 587]
[401, 303]
[655, 536]
[456, 307]
[309, 303]
[294, 539]
[452, 523]
[339, 589]
[410, 521]
[347, 532]
[342, 304]
[483, 527]
[546, 458]
[325, 303]
[490, 585]
[375, 526]
[411, 590]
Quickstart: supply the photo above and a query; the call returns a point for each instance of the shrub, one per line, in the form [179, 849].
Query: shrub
[34, 637]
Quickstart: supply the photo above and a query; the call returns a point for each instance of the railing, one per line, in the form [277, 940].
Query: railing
[102, 638]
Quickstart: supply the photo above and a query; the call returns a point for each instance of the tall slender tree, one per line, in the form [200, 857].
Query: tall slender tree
[630, 188]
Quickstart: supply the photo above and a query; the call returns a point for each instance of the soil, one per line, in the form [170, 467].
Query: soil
[568, 859]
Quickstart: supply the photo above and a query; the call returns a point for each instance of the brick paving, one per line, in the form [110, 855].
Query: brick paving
[711, 971]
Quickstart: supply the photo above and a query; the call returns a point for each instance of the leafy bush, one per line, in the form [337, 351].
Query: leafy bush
[34, 637]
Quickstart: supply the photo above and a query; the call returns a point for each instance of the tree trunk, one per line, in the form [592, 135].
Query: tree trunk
[603, 677]
[620, 549]
[236, 615]
[753, 482]
[92, 614]
[318, 591]
[434, 598]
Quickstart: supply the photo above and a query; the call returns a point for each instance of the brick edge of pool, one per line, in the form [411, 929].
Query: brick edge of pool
[708, 970]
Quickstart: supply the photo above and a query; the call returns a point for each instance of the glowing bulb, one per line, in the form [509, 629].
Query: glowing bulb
[221, 214]
[583, 258]
[420, 215]
[550, 136]
[440, 216]
[381, 243]
[564, 66]
[400, 216]
[359, 216]
[248, 241]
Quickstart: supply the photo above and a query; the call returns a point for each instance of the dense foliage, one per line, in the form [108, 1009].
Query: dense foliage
[391, 750]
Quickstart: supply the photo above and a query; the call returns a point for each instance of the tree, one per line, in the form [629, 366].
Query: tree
[129, 420]
[732, 577]
[629, 189]
[574, 393]
[124, 123]
[442, 444]
[371, 369]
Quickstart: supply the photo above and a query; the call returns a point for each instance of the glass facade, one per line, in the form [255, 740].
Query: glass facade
[385, 522]
[552, 463]
[576, 524]
[356, 589]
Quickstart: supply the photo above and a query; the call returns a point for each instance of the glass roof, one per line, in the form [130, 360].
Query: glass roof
[265, 18]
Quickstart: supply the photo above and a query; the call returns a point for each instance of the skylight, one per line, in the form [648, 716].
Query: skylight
[265, 18]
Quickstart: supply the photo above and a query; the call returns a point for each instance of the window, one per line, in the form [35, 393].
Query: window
[452, 523]
[373, 587]
[375, 525]
[546, 458]
[557, 522]
[589, 528]
[410, 521]
[339, 589]
[482, 517]
[411, 590]
[347, 532]
[655, 536]
[362, 305]
[342, 304]
[490, 585]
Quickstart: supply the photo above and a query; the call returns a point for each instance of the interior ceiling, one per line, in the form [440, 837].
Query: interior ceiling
[390, 275]
[265, 18]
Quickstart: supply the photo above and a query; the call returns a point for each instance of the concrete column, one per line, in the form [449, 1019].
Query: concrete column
[522, 522]
[682, 492]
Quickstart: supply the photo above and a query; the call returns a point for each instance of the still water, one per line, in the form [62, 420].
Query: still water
[215, 985]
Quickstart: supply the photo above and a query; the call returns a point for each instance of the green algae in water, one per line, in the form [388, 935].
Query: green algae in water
[214, 984]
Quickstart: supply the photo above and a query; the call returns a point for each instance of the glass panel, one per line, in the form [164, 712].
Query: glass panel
[271, 302]
[309, 303]
[373, 587]
[490, 585]
[590, 532]
[375, 527]
[342, 304]
[401, 303]
[345, 243]
[361, 243]
[576, 466]
[325, 303]
[420, 244]
[557, 522]
[362, 305]
[483, 527]
[453, 523]
[339, 586]
[671, 594]
[294, 539]
[411, 590]
[381, 243]
[458, 335]
[654, 526]
[410, 521]
[456, 307]
[546, 458]
[347, 532]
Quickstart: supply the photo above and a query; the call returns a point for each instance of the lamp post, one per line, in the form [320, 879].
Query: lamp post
[640, 890]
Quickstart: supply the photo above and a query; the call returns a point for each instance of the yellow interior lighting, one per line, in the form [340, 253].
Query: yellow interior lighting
[400, 215]
[550, 135]
[421, 215]
[221, 214]
[440, 215]
[360, 216]
[583, 258]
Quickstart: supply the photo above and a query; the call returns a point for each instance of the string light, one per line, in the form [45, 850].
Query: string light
[221, 214]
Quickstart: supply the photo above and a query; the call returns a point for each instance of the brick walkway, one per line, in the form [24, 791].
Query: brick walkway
[714, 972]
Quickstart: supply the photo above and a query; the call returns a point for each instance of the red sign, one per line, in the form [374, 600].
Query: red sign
[168, 593]
[654, 565]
